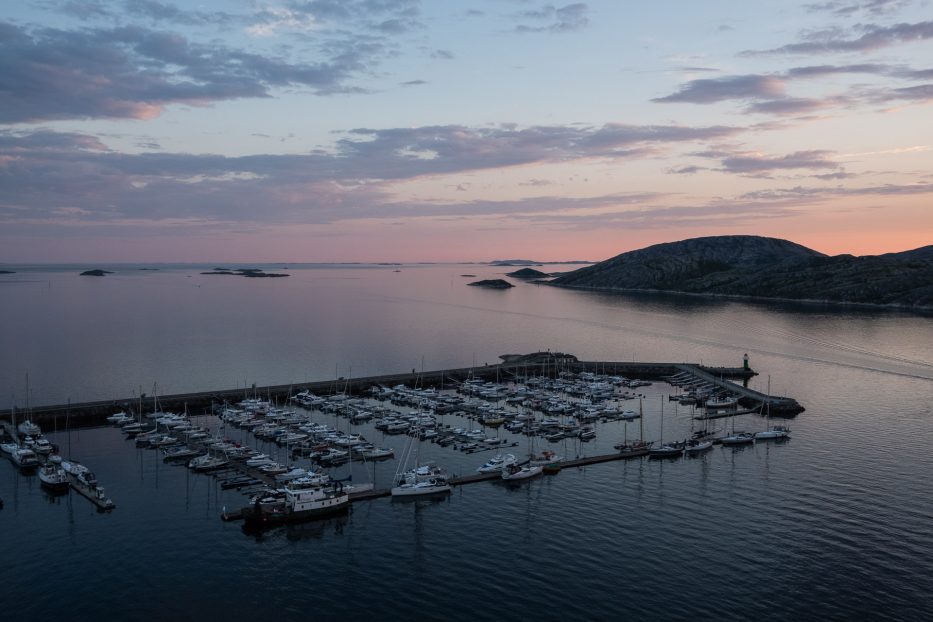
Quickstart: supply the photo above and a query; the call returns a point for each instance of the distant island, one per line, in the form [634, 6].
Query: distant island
[7, 272]
[530, 262]
[253, 273]
[97, 272]
[528, 273]
[492, 284]
[761, 267]
[514, 262]
[469, 275]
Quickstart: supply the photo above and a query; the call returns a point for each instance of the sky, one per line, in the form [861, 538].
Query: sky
[407, 130]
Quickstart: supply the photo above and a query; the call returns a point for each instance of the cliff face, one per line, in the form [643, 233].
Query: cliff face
[764, 267]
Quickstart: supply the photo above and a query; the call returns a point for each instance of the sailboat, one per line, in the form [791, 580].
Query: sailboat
[530, 469]
[421, 479]
[738, 438]
[772, 432]
[637, 448]
[666, 450]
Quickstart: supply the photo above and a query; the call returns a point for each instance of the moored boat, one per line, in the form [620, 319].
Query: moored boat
[499, 462]
[425, 479]
[83, 480]
[301, 502]
[28, 428]
[518, 473]
[53, 478]
[667, 450]
[696, 446]
[774, 432]
[738, 438]
[24, 458]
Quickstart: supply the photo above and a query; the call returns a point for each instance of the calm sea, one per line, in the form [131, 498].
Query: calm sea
[834, 524]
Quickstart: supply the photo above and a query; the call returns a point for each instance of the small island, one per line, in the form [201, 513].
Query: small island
[492, 284]
[253, 273]
[471, 276]
[514, 262]
[528, 273]
[7, 272]
[96, 272]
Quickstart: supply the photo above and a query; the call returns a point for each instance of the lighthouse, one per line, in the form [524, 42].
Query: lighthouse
[745, 362]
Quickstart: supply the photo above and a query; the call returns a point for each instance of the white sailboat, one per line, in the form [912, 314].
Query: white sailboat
[772, 432]
[422, 479]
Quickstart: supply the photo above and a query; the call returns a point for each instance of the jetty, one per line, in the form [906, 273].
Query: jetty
[548, 364]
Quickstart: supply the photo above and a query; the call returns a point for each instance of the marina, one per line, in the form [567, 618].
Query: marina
[548, 397]
[796, 510]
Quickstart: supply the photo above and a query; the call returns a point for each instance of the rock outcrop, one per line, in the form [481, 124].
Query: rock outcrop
[766, 268]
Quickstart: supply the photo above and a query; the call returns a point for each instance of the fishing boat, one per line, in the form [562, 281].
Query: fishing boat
[83, 480]
[53, 478]
[302, 501]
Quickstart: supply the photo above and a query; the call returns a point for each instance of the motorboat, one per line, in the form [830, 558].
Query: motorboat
[119, 418]
[180, 454]
[28, 428]
[207, 462]
[499, 462]
[53, 478]
[24, 458]
[517, 473]
[42, 446]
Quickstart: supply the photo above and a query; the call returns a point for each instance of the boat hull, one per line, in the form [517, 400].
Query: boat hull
[419, 491]
[264, 517]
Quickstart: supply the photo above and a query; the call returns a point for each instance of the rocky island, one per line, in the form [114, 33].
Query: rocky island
[253, 273]
[760, 267]
[492, 284]
[528, 273]
[96, 272]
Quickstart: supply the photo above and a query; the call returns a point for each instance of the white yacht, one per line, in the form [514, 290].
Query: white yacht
[774, 432]
[425, 479]
[24, 458]
[28, 428]
[499, 462]
[53, 478]
[517, 473]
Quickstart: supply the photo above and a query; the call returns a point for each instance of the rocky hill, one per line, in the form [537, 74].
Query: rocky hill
[766, 268]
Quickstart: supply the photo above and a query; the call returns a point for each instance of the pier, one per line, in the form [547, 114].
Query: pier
[512, 366]
[751, 399]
